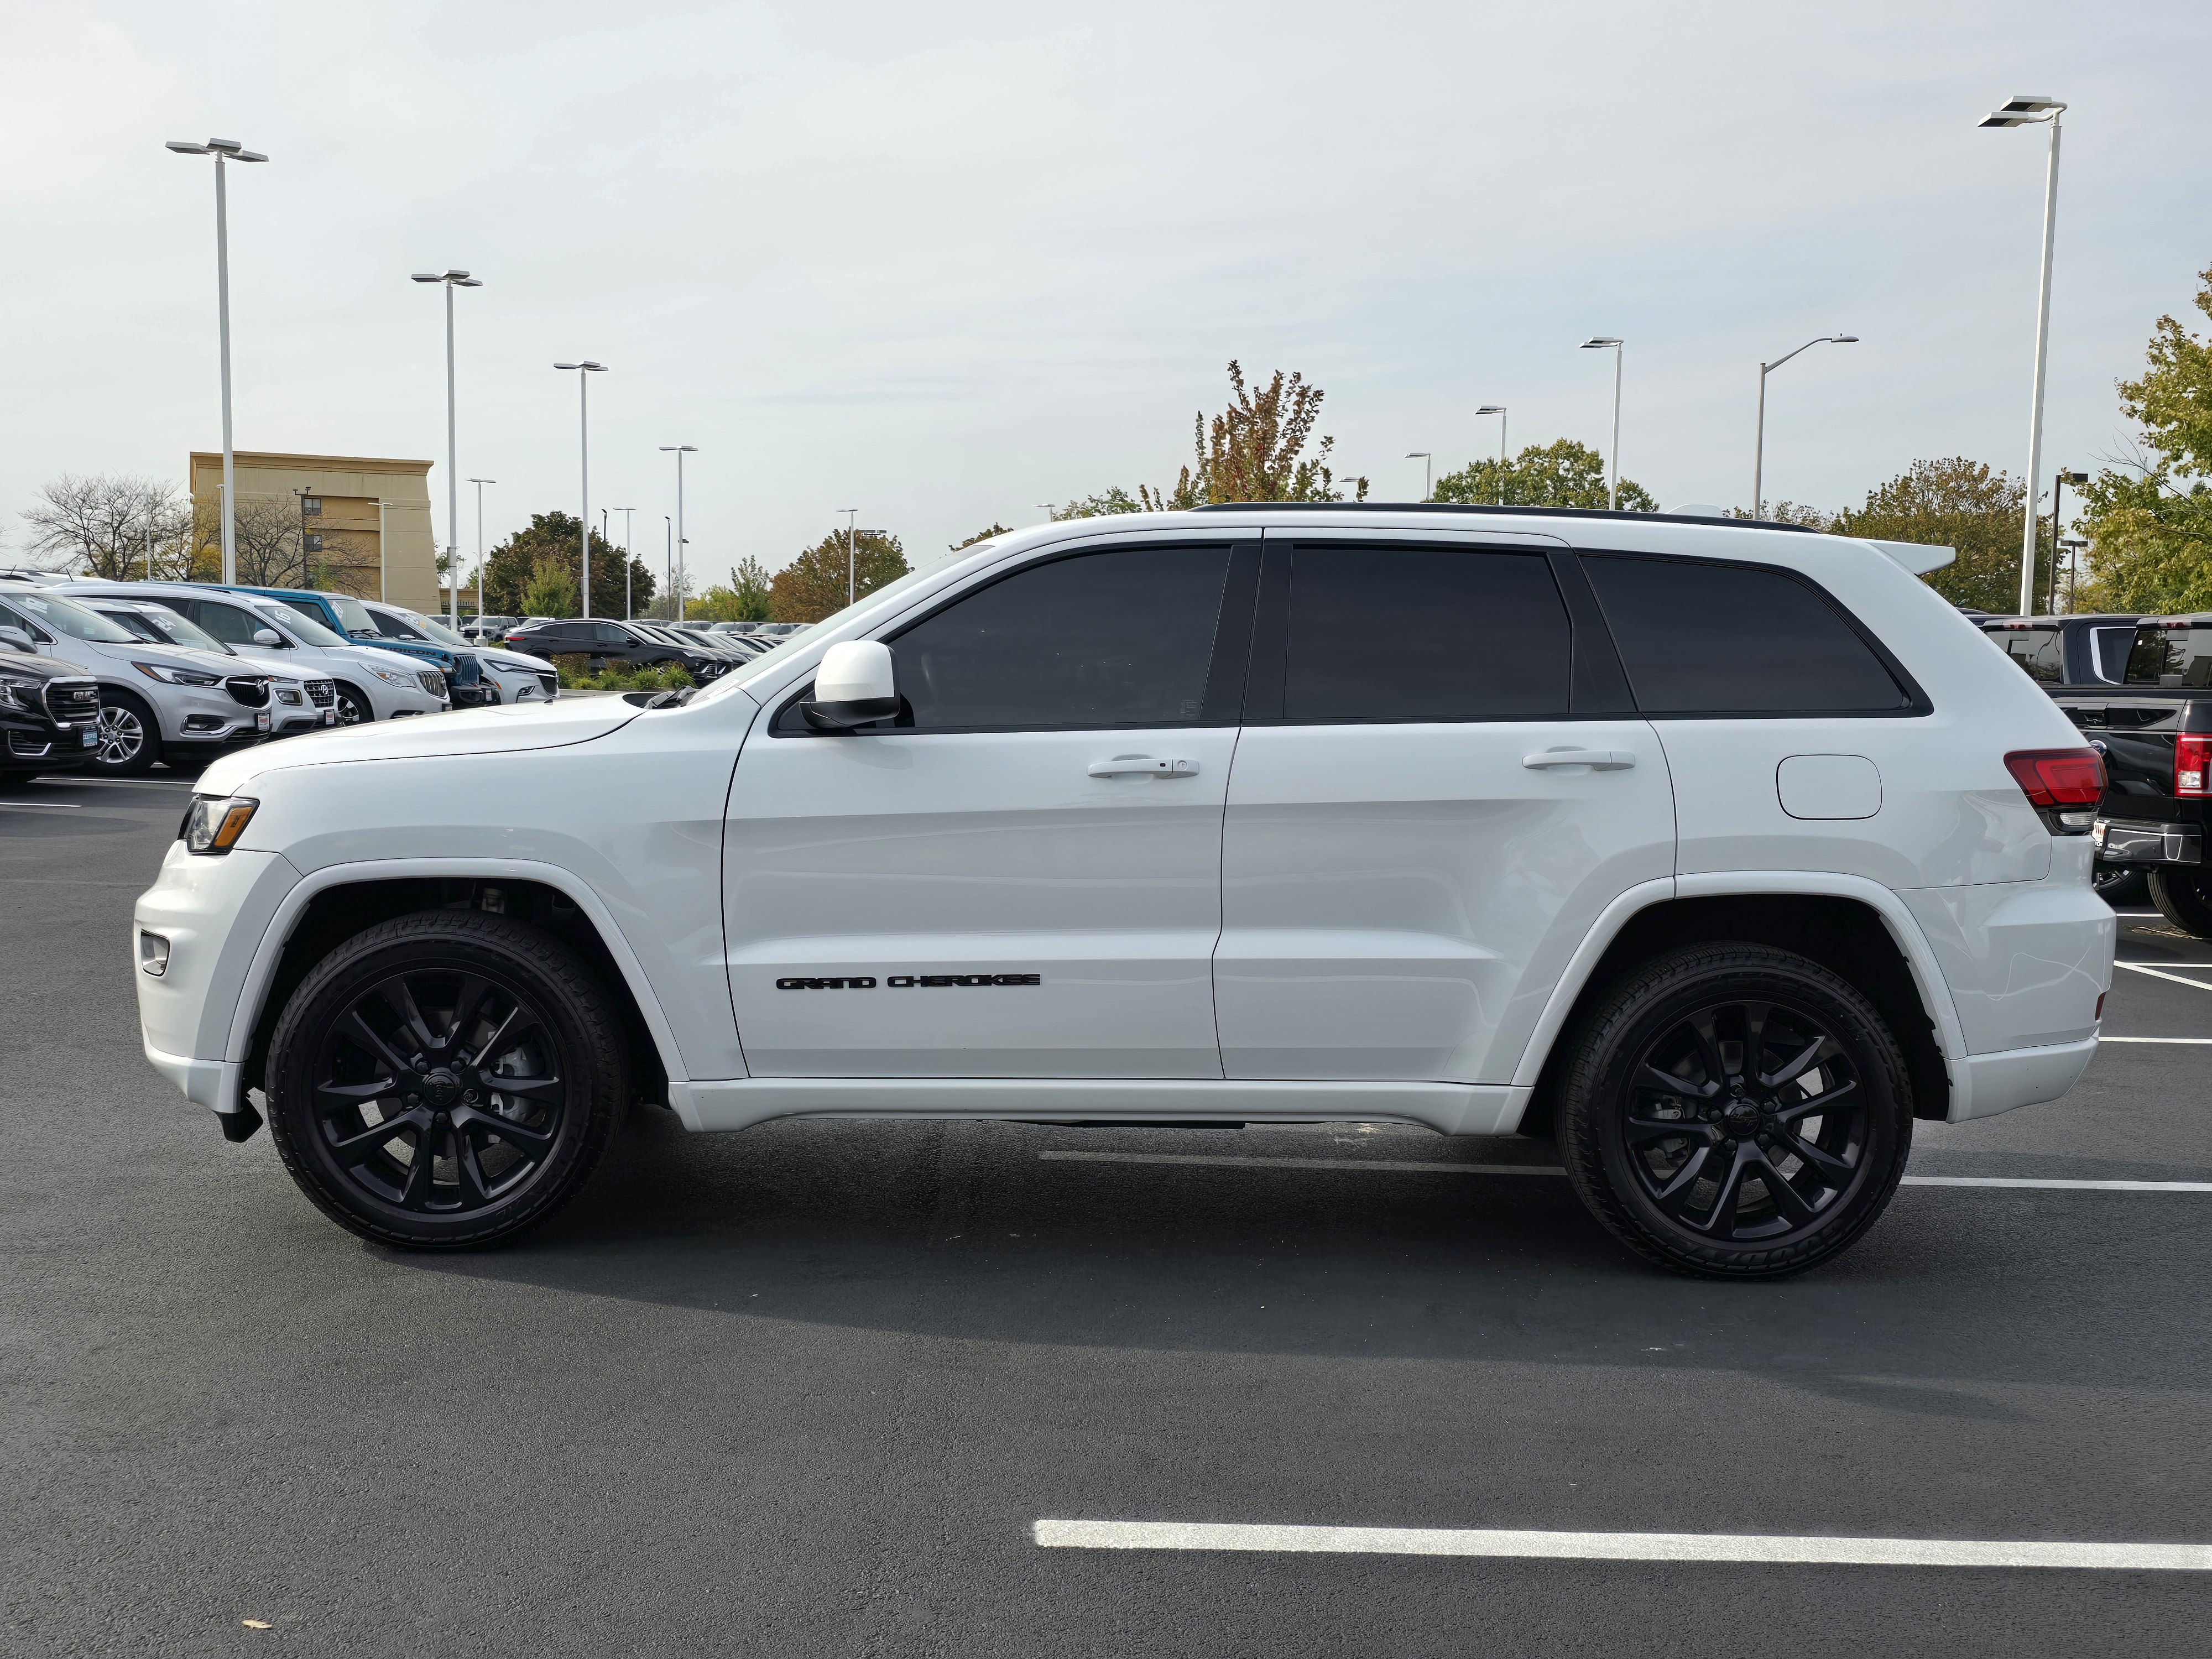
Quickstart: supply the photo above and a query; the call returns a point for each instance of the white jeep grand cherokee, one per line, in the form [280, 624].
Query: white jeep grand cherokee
[1721, 852]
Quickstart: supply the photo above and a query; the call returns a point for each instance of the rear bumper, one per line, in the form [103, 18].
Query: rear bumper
[2131, 841]
[1982, 1085]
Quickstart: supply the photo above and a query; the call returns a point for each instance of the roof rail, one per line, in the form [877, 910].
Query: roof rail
[1505, 511]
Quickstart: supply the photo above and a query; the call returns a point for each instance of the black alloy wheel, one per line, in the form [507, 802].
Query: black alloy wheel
[354, 709]
[2119, 884]
[446, 1080]
[130, 738]
[1736, 1111]
[2183, 897]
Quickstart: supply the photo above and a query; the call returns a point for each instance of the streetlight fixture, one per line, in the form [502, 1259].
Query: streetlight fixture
[851, 558]
[2023, 111]
[625, 512]
[1602, 343]
[1050, 509]
[1758, 445]
[584, 370]
[679, 451]
[1498, 409]
[2066, 476]
[1428, 471]
[450, 280]
[223, 149]
[480, 483]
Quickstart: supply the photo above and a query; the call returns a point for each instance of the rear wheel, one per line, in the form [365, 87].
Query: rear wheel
[129, 738]
[2184, 897]
[2118, 884]
[446, 1080]
[1734, 1111]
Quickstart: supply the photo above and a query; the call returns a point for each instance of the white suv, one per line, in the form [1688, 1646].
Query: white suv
[1720, 852]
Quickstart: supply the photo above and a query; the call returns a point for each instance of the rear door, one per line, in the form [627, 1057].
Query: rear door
[1412, 847]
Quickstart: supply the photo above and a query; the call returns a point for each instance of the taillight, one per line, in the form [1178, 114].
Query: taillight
[2062, 785]
[2192, 763]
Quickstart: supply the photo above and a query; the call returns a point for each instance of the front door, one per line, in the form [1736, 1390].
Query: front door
[1020, 876]
[1412, 850]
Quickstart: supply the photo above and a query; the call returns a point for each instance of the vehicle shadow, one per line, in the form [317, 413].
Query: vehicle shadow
[960, 1232]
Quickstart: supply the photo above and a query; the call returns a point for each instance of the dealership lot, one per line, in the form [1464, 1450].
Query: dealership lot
[814, 1388]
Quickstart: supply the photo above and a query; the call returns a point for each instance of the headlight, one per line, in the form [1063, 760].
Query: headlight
[215, 822]
[12, 693]
[167, 676]
[398, 676]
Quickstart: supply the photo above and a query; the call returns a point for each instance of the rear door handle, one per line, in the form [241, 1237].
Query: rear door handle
[1598, 760]
[1128, 765]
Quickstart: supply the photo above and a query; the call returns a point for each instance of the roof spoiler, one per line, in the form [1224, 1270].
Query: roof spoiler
[1915, 556]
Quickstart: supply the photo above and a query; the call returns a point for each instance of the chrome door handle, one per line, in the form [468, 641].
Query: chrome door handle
[1129, 765]
[1598, 760]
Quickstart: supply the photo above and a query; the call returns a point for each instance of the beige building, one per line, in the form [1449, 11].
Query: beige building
[367, 520]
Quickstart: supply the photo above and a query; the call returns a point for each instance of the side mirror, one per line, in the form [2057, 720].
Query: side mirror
[267, 636]
[855, 684]
[15, 639]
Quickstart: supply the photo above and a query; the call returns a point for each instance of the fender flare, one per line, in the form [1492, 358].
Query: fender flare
[261, 972]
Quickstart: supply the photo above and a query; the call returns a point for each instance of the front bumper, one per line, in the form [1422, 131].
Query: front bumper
[2132, 840]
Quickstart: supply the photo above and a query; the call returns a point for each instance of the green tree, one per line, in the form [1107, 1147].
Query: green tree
[1560, 474]
[511, 567]
[1957, 503]
[1110, 500]
[813, 586]
[746, 598]
[2149, 521]
[1254, 451]
[551, 590]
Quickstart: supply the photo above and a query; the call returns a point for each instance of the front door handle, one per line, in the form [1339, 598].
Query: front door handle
[1122, 766]
[1597, 760]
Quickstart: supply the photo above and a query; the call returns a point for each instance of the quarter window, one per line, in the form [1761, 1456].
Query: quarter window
[2171, 654]
[2035, 649]
[1720, 639]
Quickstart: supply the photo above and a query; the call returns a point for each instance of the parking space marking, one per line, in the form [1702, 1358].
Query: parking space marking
[1437, 1167]
[2160, 973]
[2114, 1039]
[45, 806]
[1621, 1546]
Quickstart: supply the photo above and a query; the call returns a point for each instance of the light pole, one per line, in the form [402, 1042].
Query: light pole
[668, 557]
[625, 512]
[584, 370]
[2066, 475]
[851, 558]
[223, 149]
[2024, 111]
[480, 483]
[1428, 470]
[1498, 409]
[1601, 342]
[679, 451]
[450, 280]
[1759, 444]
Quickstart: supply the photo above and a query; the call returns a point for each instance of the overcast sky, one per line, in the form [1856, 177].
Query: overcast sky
[944, 263]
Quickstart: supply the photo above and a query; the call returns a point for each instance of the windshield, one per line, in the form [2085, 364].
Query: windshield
[67, 616]
[353, 616]
[432, 628]
[767, 660]
[165, 627]
[310, 631]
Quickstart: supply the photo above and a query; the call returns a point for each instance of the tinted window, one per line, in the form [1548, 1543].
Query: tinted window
[392, 628]
[1122, 638]
[2035, 649]
[228, 623]
[1424, 634]
[1715, 639]
[2172, 654]
[2113, 644]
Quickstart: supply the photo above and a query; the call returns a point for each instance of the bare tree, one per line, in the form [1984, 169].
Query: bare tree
[107, 525]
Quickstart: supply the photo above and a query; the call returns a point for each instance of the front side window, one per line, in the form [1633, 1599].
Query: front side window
[228, 623]
[392, 628]
[1701, 639]
[1396, 633]
[305, 627]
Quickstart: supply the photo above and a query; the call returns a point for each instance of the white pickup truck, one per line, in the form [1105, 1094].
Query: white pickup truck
[1719, 851]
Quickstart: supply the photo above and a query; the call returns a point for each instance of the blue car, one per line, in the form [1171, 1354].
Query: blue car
[344, 614]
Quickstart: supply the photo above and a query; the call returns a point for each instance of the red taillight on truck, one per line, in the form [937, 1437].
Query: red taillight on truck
[2062, 785]
[2192, 763]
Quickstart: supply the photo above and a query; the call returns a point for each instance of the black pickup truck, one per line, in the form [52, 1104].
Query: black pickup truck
[2154, 731]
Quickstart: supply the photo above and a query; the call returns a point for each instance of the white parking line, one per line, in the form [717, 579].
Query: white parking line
[1619, 1546]
[1439, 1166]
[45, 806]
[2160, 973]
[2114, 1039]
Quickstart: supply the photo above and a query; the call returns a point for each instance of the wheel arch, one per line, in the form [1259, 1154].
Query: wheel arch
[332, 905]
[1856, 927]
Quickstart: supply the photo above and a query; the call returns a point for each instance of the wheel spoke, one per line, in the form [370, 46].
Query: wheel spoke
[1668, 1082]
[536, 1144]
[1676, 1193]
[1787, 1200]
[466, 1006]
[1798, 1066]
[1833, 1172]
[402, 1002]
[1754, 1035]
[415, 1194]
[362, 1032]
[546, 1089]
[1819, 1102]
[353, 1148]
[1709, 1051]
[1641, 1131]
[519, 1019]
[348, 1096]
[1722, 1221]
[476, 1191]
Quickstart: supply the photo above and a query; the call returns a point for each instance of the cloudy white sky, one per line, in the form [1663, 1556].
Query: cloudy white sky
[943, 263]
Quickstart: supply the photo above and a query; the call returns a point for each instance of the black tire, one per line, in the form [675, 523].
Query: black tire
[2184, 898]
[2118, 884]
[354, 708]
[1681, 1197]
[129, 736]
[411, 1003]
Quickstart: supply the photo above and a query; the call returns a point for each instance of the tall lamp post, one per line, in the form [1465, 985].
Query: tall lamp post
[1603, 343]
[2066, 476]
[451, 280]
[625, 512]
[851, 558]
[584, 370]
[668, 555]
[2024, 111]
[679, 451]
[223, 149]
[1759, 444]
[1498, 409]
[480, 483]
[1428, 471]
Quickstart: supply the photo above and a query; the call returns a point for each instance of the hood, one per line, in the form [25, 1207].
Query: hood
[473, 731]
[115, 656]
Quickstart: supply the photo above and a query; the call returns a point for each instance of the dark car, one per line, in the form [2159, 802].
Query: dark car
[607, 643]
[49, 715]
[487, 630]
[2090, 650]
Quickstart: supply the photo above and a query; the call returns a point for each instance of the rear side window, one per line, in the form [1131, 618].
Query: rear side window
[2171, 654]
[1398, 632]
[2037, 650]
[1722, 639]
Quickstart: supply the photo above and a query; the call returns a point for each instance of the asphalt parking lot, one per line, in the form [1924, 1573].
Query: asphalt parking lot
[810, 1389]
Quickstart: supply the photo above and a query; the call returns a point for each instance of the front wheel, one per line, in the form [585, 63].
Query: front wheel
[354, 708]
[446, 1080]
[1736, 1111]
[129, 738]
[2184, 897]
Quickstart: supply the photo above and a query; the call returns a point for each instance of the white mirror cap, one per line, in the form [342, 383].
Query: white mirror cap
[859, 671]
[1918, 557]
